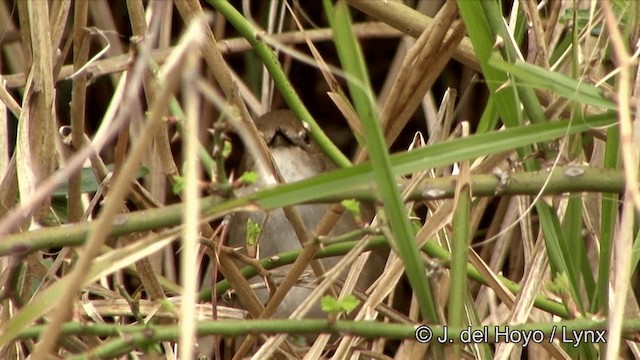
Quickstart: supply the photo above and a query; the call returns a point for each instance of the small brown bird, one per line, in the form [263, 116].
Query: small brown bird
[297, 158]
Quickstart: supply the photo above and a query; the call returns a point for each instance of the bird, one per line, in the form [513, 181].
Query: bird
[297, 158]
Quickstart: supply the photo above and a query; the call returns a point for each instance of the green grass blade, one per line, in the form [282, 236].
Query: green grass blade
[360, 88]
[535, 76]
[459, 256]
[440, 154]
[608, 221]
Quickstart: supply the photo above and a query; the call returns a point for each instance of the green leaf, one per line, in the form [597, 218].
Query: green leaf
[178, 184]
[561, 84]
[329, 304]
[352, 206]
[349, 303]
[249, 177]
[226, 150]
[253, 232]
[332, 305]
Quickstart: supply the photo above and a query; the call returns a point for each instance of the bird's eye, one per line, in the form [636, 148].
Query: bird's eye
[304, 136]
